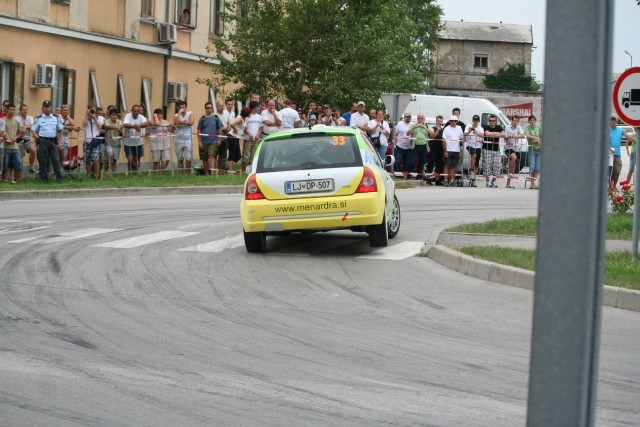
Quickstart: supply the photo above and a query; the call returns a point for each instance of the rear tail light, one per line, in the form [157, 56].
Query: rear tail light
[368, 183]
[252, 191]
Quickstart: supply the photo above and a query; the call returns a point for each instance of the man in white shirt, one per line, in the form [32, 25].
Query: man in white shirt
[474, 134]
[92, 125]
[359, 119]
[228, 104]
[252, 134]
[453, 136]
[271, 119]
[183, 142]
[133, 123]
[26, 146]
[290, 117]
[512, 135]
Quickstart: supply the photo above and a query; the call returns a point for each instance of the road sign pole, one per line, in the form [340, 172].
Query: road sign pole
[572, 218]
[636, 204]
[626, 101]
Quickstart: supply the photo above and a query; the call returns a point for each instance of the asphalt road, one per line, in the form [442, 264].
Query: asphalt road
[148, 311]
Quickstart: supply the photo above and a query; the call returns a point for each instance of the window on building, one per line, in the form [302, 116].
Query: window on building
[216, 21]
[212, 97]
[147, 9]
[63, 90]
[94, 92]
[121, 99]
[145, 96]
[12, 82]
[61, 1]
[186, 20]
[17, 88]
[480, 61]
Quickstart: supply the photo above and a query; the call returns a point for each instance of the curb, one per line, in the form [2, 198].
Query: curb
[627, 299]
[119, 192]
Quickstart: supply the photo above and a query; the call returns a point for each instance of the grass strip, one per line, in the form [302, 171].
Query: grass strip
[619, 270]
[132, 180]
[619, 226]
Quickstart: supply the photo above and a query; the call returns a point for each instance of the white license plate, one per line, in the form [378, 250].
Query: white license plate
[309, 186]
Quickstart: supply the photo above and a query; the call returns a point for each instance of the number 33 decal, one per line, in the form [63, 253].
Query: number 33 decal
[338, 140]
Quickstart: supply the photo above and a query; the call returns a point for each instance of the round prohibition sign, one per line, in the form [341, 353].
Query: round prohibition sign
[626, 96]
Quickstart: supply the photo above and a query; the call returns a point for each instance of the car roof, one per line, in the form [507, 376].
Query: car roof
[322, 128]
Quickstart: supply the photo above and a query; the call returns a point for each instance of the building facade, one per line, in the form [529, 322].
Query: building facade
[111, 52]
[469, 51]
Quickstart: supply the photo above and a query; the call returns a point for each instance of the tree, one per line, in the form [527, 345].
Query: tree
[512, 77]
[332, 51]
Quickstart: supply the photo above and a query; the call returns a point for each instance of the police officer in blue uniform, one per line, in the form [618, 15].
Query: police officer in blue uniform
[47, 131]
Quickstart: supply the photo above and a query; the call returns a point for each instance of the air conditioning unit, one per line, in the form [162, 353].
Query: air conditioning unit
[45, 75]
[176, 91]
[167, 33]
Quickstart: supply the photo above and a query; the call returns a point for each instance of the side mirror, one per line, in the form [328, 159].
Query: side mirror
[389, 160]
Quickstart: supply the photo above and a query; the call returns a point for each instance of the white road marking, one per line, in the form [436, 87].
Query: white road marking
[64, 236]
[396, 252]
[134, 242]
[217, 245]
[11, 221]
[21, 230]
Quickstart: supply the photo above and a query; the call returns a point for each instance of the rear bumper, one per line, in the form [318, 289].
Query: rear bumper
[322, 213]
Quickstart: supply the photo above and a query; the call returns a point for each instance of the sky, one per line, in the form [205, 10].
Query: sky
[626, 19]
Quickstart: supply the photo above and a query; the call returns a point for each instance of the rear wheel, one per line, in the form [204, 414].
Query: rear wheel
[378, 234]
[394, 222]
[255, 241]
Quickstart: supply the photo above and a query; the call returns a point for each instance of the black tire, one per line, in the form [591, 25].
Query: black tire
[379, 234]
[394, 221]
[255, 242]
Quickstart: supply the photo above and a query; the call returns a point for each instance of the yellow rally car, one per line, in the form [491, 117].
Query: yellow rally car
[319, 179]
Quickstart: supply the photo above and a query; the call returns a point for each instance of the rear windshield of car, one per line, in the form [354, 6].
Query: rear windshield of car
[309, 151]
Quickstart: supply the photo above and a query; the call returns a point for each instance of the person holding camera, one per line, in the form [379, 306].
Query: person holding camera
[92, 125]
[183, 143]
[337, 117]
[419, 131]
[134, 123]
[474, 134]
[435, 158]
[379, 131]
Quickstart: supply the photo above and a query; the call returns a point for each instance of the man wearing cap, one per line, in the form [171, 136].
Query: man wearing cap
[491, 160]
[359, 119]
[453, 136]
[474, 134]
[326, 118]
[47, 132]
[455, 111]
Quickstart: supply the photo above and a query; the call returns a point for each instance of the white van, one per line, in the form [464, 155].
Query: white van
[433, 105]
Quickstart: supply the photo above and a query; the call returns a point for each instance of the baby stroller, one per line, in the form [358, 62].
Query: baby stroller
[71, 163]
